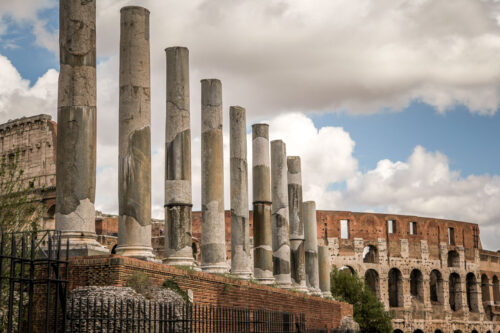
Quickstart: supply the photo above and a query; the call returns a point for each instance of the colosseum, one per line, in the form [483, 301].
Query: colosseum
[432, 273]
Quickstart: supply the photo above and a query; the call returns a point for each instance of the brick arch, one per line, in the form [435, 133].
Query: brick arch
[485, 288]
[455, 292]
[436, 290]
[372, 280]
[417, 285]
[453, 258]
[395, 288]
[472, 291]
[370, 254]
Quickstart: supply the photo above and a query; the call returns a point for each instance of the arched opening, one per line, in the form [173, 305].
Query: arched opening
[496, 290]
[455, 292]
[485, 288]
[397, 331]
[418, 331]
[453, 259]
[417, 285]
[472, 291]
[473, 331]
[438, 331]
[370, 254]
[457, 331]
[436, 287]
[395, 288]
[372, 281]
[347, 269]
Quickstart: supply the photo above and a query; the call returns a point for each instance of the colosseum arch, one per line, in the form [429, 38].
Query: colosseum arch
[472, 292]
[436, 287]
[496, 290]
[455, 288]
[418, 331]
[373, 282]
[370, 254]
[474, 331]
[485, 288]
[438, 331]
[397, 331]
[417, 285]
[347, 269]
[396, 297]
[453, 259]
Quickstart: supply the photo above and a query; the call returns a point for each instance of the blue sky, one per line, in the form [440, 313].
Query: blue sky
[388, 117]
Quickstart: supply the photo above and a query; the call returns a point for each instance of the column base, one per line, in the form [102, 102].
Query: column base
[327, 294]
[315, 292]
[265, 280]
[242, 275]
[82, 244]
[300, 287]
[139, 252]
[179, 261]
[215, 269]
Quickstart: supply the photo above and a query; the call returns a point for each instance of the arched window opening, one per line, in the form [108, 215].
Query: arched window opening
[496, 290]
[436, 287]
[453, 259]
[472, 291]
[370, 254]
[395, 288]
[372, 281]
[474, 331]
[417, 285]
[397, 331]
[418, 331]
[455, 292]
[347, 270]
[438, 331]
[485, 288]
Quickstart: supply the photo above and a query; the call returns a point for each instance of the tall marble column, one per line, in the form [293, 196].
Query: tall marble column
[213, 241]
[76, 117]
[280, 227]
[134, 160]
[240, 234]
[311, 247]
[262, 225]
[324, 270]
[178, 197]
[296, 223]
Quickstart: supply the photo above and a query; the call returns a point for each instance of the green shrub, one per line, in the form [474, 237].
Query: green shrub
[140, 282]
[172, 285]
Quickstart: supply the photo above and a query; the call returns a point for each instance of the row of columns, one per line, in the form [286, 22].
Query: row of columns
[283, 252]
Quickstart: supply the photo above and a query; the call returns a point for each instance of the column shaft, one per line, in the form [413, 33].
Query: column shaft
[280, 227]
[324, 271]
[76, 116]
[311, 247]
[240, 234]
[213, 242]
[178, 197]
[296, 223]
[262, 230]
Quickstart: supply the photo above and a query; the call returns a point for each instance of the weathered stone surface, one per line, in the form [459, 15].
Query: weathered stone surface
[76, 140]
[262, 227]
[240, 231]
[178, 199]
[280, 228]
[134, 172]
[324, 271]
[311, 247]
[294, 178]
[213, 242]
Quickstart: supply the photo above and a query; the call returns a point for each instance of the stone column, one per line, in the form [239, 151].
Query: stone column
[297, 257]
[324, 271]
[311, 247]
[178, 198]
[280, 227]
[213, 241]
[262, 225]
[76, 117]
[134, 160]
[240, 234]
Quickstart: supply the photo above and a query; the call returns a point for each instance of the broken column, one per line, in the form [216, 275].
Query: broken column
[213, 242]
[297, 256]
[240, 233]
[134, 161]
[279, 190]
[311, 247]
[76, 117]
[262, 232]
[324, 271]
[178, 198]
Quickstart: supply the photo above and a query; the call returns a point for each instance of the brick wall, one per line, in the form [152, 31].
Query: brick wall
[209, 288]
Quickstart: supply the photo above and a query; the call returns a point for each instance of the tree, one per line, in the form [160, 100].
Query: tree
[20, 202]
[369, 312]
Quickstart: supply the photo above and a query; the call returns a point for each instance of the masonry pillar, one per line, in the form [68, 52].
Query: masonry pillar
[76, 117]
[178, 198]
[134, 171]
[324, 271]
[213, 241]
[240, 233]
[262, 230]
[280, 227]
[311, 247]
[296, 223]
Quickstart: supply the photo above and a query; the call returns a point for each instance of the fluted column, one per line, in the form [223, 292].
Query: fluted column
[279, 190]
[311, 247]
[262, 225]
[213, 242]
[240, 235]
[76, 117]
[296, 223]
[178, 197]
[324, 270]
[134, 160]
